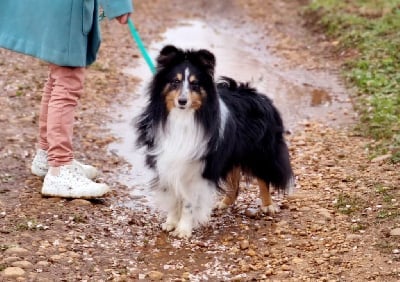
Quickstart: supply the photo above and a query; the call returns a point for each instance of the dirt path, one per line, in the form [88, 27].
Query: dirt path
[340, 225]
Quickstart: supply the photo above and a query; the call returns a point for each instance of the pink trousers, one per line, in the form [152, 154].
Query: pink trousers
[61, 93]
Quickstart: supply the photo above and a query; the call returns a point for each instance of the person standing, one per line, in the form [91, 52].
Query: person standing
[66, 34]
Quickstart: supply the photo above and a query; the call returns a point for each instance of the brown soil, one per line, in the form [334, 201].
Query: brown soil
[340, 225]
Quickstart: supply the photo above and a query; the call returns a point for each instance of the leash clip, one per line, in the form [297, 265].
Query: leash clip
[102, 16]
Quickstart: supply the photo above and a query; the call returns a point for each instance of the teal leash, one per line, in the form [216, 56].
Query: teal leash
[140, 44]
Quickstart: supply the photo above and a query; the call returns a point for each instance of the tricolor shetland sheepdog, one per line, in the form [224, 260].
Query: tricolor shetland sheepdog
[198, 134]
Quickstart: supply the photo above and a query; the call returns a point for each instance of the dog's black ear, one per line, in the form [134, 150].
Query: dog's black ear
[207, 59]
[167, 54]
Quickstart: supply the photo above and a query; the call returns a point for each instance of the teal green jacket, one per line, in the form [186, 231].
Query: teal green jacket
[62, 32]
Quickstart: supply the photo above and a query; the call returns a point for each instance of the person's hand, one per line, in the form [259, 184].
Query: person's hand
[123, 19]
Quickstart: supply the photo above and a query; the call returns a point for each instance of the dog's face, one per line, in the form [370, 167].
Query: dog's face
[185, 77]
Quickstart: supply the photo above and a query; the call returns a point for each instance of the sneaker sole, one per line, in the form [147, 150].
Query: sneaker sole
[68, 196]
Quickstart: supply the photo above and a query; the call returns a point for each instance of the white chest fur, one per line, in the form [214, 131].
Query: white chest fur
[183, 138]
[180, 145]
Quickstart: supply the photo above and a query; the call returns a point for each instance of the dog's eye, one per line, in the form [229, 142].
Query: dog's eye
[195, 86]
[175, 83]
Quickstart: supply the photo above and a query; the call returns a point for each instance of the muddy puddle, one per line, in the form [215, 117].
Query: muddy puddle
[299, 94]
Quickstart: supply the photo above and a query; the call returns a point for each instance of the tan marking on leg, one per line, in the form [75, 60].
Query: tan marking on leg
[232, 190]
[265, 196]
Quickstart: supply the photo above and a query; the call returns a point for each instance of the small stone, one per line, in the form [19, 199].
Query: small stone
[43, 263]
[304, 209]
[244, 244]
[251, 212]
[330, 163]
[9, 260]
[282, 223]
[16, 251]
[155, 275]
[186, 275]
[395, 232]
[233, 251]
[55, 258]
[316, 227]
[285, 267]
[335, 260]
[297, 196]
[353, 237]
[269, 272]
[325, 213]
[326, 255]
[13, 272]
[81, 202]
[23, 264]
[266, 253]
[297, 260]
[381, 158]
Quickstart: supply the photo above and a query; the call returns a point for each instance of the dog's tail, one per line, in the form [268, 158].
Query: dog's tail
[234, 86]
[280, 170]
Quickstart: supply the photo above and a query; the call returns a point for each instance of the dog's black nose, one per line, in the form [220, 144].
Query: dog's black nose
[182, 101]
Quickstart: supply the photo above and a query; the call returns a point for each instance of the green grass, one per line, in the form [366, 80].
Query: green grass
[388, 197]
[385, 193]
[348, 204]
[372, 29]
[77, 218]
[29, 224]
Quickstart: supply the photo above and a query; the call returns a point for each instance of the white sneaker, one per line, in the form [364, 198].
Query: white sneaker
[71, 183]
[40, 166]
[89, 171]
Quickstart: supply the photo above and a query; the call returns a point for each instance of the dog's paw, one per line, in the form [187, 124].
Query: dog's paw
[270, 210]
[168, 226]
[182, 233]
[222, 205]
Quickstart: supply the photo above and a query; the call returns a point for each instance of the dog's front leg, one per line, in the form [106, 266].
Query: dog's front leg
[167, 200]
[185, 224]
[173, 217]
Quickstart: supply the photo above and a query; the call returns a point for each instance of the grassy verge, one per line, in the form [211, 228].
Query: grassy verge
[371, 28]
